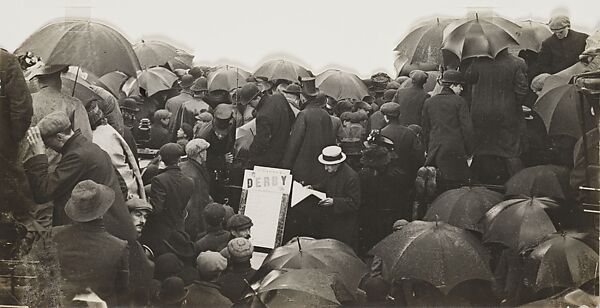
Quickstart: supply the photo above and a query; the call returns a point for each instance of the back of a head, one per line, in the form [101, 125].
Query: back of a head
[170, 153]
[161, 114]
[214, 214]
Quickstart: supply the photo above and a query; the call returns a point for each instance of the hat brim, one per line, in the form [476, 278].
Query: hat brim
[332, 162]
[107, 198]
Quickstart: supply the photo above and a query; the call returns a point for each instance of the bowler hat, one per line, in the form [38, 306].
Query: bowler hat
[332, 155]
[308, 86]
[239, 221]
[172, 291]
[89, 200]
[452, 77]
[200, 84]
[293, 89]
[53, 123]
[180, 244]
[240, 249]
[138, 204]
[248, 92]
[186, 81]
[209, 262]
[129, 103]
[375, 157]
[214, 213]
[390, 109]
[170, 152]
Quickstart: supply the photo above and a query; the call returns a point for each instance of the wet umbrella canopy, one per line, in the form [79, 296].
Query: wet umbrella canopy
[113, 82]
[227, 78]
[154, 53]
[463, 207]
[281, 69]
[95, 47]
[540, 181]
[341, 85]
[434, 252]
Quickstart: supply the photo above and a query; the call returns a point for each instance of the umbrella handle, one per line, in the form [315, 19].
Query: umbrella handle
[75, 82]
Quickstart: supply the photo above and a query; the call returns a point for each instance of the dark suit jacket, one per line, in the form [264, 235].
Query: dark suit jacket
[81, 160]
[90, 257]
[170, 192]
[411, 103]
[556, 55]
[274, 121]
[159, 136]
[194, 223]
[407, 146]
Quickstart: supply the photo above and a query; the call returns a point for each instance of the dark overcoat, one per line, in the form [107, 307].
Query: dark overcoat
[169, 195]
[206, 294]
[411, 104]
[407, 146]
[448, 134]
[81, 160]
[312, 131]
[274, 120]
[498, 87]
[556, 55]
[194, 223]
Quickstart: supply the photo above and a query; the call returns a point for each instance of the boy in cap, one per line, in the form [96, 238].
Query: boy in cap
[215, 238]
[239, 225]
[235, 282]
[205, 292]
[562, 49]
[170, 192]
[78, 247]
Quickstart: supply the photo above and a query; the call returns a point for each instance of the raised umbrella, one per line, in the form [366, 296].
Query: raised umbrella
[95, 47]
[561, 111]
[463, 207]
[113, 82]
[83, 89]
[153, 80]
[519, 223]
[566, 260]
[154, 53]
[535, 32]
[434, 252]
[422, 46]
[540, 181]
[227, 78]
[479, 37]
[327, 255]
[183, 60]
[282, 69]
[298, 288]
[341, 85]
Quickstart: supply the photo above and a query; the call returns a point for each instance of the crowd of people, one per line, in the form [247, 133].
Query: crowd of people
[168, 233]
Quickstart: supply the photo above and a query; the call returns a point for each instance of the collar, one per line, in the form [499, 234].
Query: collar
[69, 143]
[172, 167]
[447, 91]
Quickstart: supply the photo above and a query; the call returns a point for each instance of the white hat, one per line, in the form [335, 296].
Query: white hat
[332, 155]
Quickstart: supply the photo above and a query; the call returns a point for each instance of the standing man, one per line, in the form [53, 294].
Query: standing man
[311, 132]
[174, 103]
[15, 116]
[274, 119]
[170, 192]
[80, 160]
[498, 88]
[339, 219]
[246, 102]
[448, 132]
[562, 49]
[411, 99]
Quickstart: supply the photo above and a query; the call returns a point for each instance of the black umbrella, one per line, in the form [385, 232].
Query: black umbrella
[540, 181]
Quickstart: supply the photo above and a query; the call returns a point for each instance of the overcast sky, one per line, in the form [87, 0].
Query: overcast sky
[357, 36]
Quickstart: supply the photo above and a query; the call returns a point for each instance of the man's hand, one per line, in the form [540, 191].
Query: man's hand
[327, 202]
[229, 158]
[35, 141]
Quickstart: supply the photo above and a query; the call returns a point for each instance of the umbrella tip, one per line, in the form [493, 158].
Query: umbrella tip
[299, 246]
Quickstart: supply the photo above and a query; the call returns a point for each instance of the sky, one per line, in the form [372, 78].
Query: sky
[355, 36]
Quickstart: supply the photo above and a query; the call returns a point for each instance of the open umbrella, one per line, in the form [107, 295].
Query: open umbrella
[565, 261]
[281, 69]
[535, 32]
[83, 89]
[327, 254]
[463, 207]
[227, 78]
[95, 47]
[183, 60]
[341, 85]
[154, 53]
[156, 79]
[479, 37]
[561, 111]
[434, 252]
[298, 288]
[113, 82]
[540, 181]
[422, 45]
[518, 223]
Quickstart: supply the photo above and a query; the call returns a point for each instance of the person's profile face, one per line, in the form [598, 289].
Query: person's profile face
[245, 233]
[332, 168]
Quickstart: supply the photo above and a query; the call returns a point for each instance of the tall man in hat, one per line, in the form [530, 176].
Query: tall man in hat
[170, 192]
[15, 116]
[87, 254]
[80, 160]
[339, 211]
[311, 132]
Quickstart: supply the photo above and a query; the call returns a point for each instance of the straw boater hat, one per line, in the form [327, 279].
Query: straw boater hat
[332, 155]
[89, 200]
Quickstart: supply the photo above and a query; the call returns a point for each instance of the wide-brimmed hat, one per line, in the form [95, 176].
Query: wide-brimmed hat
[200, 84]
[308, 86]
[89, 200]
[375, 157]
[135, 203]
[452, 77]
[248, 92]
[130, 104]
[53, 123]
[180, 244]
[186, 81]
[332, 155]
[172, 290]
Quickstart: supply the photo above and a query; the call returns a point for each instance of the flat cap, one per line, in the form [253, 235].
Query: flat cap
[418, 77]
[390, 109]
[223, 112]
[53, 123]
[214, 213]
[209, 262]
[239, 221]
[170, 152]
[136, 203]
[559, 22]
